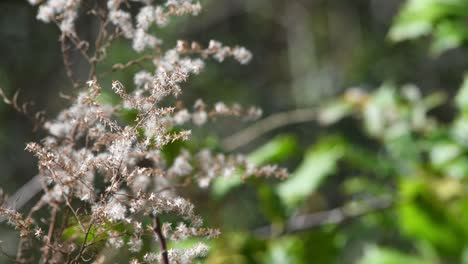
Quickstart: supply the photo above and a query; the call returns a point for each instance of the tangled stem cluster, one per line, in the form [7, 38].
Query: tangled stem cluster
[106, 182]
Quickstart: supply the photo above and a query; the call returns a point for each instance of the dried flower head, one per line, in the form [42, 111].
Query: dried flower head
[112, 175]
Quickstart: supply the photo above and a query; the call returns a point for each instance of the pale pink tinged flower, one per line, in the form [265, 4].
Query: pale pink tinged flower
[199, 118]
[221, 108]
[181, 117]
[38, 232]
[113, 4]
[122, 20]
[145, 17]
[34, 2]
[214, 45]
[143, 79]
[161, 17]
[114, 210]
[135, 244]
[242, 55]
[143, 40]
[45, 13]
[151, 257]
[181, 166]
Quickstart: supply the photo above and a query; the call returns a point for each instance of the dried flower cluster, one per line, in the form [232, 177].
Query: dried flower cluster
[111, 176]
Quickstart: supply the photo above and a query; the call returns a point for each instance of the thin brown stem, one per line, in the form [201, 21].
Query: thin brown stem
[47, 248]
[268, 124]
[335, 216]
[65, 48]
[161, 238]
[83, 245]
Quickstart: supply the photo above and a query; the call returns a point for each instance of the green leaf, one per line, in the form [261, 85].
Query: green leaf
[418, 17]
[461, 99]
[423, 217]
[448, 35]
[334, 112]
[441, 153]
[276, 150]
[222, 185]
[378, 255]
[127, 115]
[75, 233]
[270, 203]
[319, 162]
[457, 168]
[383, 100]
[108, 97]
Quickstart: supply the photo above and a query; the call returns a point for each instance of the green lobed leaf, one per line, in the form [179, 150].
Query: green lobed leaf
[319, 162]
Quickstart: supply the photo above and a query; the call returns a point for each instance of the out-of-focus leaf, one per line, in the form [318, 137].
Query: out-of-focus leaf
[334, 112]
[423, 217]
[457, 168]
[74, 232]
[317, 245]
[109, 98]
[378, 255]
[459, 131]
[434, 100]
[270, 203]
[276, 150]
[172, 150]
[464, 259]
[404, 149]
[236, 247]
[461, 99]
[319, 162]
[447, 188]
[368, 161]
[417, 17]
[382, 102]
[414, 20]
[222, 185]
[286, 250]
[441, 153]
[418, 224]
[448, 35]
[128, 115]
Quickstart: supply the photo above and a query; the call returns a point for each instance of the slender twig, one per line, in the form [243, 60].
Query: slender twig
[47, 248]
[66, 60]
[122, 66]
[161, 238]
[336, 216]
[103, 20]
[23, 195]
[2, 252]
[83, 245]
[37, 118]
[268, 124]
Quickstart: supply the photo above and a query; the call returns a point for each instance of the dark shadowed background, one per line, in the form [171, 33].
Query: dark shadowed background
[306, 52]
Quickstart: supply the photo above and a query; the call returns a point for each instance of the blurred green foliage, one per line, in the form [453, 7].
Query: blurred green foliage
[444, 20]
[405, 150]
[396, 142]
[417, 160]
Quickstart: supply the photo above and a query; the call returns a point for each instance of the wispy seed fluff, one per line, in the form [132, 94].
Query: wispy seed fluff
[112, 176]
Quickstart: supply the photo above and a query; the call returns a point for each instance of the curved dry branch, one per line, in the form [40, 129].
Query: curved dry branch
[336, 216]
[267, 124]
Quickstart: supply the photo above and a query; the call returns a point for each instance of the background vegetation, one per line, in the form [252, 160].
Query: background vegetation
[378, 165]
